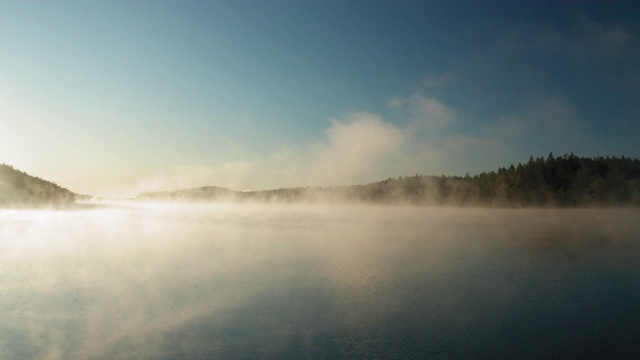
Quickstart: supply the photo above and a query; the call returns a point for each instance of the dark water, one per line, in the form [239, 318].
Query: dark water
[262, 282]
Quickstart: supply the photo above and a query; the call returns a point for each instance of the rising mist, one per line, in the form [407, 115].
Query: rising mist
[321, 282]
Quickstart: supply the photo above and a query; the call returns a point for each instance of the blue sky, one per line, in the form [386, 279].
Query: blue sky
[118, 97]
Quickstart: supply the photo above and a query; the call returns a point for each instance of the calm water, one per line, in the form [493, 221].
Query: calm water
[294, 282]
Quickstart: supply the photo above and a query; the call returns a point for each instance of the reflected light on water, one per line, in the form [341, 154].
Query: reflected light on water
[237, 281]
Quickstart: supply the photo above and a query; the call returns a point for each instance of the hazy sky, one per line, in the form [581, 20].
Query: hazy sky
[116, 97]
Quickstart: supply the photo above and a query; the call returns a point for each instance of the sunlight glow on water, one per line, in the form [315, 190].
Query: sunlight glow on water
[241, 281]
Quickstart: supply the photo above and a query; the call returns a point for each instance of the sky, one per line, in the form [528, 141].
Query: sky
[119, 97]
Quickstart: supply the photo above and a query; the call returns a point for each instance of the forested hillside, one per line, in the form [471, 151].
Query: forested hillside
[555, 181]
[552, 182]
[21, 189]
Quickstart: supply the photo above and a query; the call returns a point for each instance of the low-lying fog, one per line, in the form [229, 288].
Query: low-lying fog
[295, 282]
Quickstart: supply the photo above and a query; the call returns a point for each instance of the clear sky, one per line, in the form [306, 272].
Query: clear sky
[116, 97]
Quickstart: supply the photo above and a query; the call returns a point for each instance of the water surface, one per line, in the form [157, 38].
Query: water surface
[322, 282]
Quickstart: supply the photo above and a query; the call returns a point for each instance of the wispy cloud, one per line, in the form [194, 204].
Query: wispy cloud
[354, 149]
[357, 148]
[363, 147]
[428, 115]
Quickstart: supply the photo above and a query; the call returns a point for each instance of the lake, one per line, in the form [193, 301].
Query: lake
[319, 282]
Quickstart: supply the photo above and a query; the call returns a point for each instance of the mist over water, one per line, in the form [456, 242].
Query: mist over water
[295, 281]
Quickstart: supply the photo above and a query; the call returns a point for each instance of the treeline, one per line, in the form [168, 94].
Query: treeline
[21, 189]
[564, 181]
[207, 193]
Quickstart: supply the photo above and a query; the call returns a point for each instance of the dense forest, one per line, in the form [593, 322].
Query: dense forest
[21, 189]
[564, 181]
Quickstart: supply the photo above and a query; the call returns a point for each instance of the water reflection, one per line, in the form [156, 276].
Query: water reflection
[294, 282]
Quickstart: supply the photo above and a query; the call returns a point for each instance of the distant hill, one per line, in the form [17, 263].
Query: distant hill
[564, 181]
[208, 193]
[21, 189]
